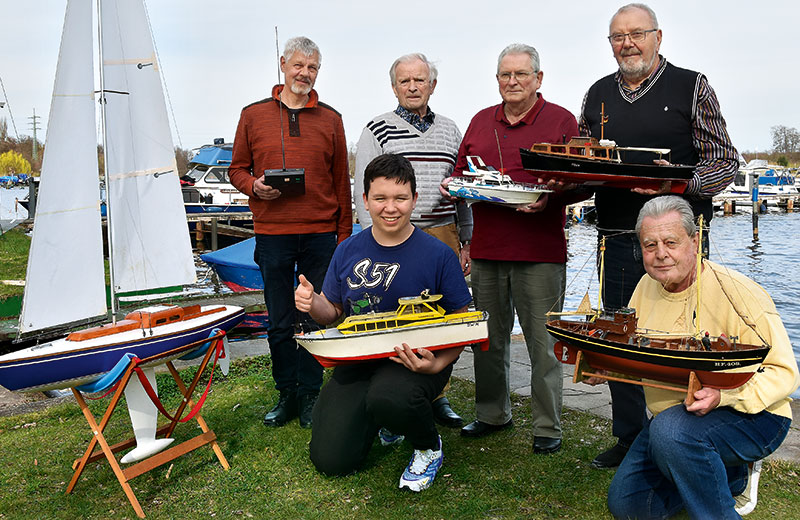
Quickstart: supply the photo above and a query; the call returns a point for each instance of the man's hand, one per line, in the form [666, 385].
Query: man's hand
[264, 191]
[536, 207]
[706, 399]
[303, 295]
[595, 380]
[464, 258]
[666, 186]
[423, 361]
[443, 190]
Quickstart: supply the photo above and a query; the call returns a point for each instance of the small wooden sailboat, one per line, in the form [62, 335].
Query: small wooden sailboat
[418, 322]
[485, 184]
[149, 245]
[611, 341]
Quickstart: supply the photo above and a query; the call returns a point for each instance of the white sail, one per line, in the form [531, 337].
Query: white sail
[151, 246]
[65, 281]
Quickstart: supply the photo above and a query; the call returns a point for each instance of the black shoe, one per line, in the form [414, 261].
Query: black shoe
[480, 428]
[284, 411]
[305, 406]
[611, 458]
[443, 414]
[545, 445]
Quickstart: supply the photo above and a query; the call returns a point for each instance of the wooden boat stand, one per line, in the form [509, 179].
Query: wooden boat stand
[583, 371]
[124, 475]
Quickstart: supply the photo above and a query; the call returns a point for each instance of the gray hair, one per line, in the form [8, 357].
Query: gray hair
[643, 7]
[415, 56]
[660, 206]
[302, 44]
[520, 48]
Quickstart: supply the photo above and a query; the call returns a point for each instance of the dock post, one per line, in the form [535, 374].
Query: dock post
[214, 234]
[754, 199]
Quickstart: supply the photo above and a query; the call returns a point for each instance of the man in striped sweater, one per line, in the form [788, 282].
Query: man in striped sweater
[651, 103]
[293, 129]
[430, 142]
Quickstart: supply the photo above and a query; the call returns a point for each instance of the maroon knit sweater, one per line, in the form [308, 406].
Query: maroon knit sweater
[314, 140]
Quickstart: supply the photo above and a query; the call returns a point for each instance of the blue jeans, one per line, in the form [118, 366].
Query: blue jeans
[293, 368]
[682, 461]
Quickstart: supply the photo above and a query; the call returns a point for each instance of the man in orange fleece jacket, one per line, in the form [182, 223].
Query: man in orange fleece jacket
[293, 231]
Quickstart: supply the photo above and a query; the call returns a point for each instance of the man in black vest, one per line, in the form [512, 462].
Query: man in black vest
[648, 103]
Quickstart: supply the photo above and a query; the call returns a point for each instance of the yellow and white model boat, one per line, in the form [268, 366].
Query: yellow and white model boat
[418, 322]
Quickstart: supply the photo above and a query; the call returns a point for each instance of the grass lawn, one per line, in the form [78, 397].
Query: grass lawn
[271, 475]
[14, 247]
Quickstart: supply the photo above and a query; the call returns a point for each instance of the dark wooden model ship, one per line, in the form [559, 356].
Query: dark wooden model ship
[612, 341]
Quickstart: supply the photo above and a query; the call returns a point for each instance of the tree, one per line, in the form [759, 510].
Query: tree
[182, 158]
[783, 161]
[13, 162]
[785, 139]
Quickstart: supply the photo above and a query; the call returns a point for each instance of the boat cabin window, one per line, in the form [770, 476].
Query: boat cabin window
[739, 179]
[197, 172]
[217, 176]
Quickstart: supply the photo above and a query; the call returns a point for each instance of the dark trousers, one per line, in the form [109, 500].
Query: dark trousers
[360, 398]
[623, 270]
[293, 368]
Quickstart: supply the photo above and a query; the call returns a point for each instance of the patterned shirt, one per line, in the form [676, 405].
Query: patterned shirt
[420, 123]
[719, 160]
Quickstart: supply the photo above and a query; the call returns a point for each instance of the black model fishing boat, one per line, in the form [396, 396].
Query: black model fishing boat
[585, 160]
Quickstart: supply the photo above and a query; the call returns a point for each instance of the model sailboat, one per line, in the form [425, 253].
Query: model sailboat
[612, 341]
[149, 246]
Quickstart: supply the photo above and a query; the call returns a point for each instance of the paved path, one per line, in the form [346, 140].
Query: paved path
[593, 399]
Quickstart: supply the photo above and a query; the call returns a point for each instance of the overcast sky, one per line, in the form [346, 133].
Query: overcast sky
[219, 56]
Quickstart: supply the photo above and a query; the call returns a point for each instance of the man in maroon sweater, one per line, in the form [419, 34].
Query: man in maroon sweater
[519, 254]
[293, 230]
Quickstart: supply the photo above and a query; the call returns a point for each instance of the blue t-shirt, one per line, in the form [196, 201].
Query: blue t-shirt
[365, 276]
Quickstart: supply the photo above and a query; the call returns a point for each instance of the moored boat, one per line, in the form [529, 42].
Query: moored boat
[418, 322]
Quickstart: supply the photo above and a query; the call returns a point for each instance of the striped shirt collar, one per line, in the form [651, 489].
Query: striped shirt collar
[631, 94]
[420, 123]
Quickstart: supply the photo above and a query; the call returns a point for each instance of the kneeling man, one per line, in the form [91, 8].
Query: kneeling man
[699, 457]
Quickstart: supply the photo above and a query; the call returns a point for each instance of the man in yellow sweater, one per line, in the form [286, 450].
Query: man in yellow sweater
[699, 457]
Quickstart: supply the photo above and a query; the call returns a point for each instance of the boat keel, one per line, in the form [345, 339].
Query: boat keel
[144, 419]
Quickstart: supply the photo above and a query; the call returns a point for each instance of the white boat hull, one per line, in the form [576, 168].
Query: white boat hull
[330, 347]
[509, 194]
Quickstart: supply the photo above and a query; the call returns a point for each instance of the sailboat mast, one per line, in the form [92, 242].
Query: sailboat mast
[602, 273]
[697, 275]
[109, 233]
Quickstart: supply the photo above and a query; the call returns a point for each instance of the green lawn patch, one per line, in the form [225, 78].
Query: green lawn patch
[271, 475]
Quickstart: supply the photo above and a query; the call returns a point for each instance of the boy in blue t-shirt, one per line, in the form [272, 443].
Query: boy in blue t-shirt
[369, 272]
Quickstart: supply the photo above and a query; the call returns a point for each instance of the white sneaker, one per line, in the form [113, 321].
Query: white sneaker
[746, 502]
[422, 469]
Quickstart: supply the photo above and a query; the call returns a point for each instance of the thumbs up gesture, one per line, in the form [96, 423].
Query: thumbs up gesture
[304, 294]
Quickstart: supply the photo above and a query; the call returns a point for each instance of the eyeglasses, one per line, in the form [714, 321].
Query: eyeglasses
[520, 76]
[635, 36]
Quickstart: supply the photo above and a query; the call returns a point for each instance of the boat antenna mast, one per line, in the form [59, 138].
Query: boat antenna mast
[603, 120]
[499, 152]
